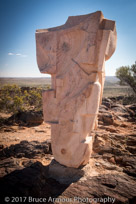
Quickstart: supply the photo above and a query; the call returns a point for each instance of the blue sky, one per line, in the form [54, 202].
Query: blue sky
[20, 18]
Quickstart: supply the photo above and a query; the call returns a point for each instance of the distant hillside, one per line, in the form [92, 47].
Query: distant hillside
[111, 81]
[26, 81]
[111, 86]
[42, 81]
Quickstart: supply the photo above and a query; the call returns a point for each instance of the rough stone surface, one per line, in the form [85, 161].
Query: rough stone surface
[111, 171]
[68, 175]
[26, 149]
[27, 117]
[74, 55]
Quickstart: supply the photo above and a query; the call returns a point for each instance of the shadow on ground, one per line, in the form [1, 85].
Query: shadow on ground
[34, 181]
[31, 178]
[31, 181]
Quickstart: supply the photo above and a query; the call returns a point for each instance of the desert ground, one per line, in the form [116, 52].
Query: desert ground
[26, 155]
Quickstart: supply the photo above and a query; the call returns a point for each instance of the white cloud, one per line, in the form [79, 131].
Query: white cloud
[17, 54]
[10, 53]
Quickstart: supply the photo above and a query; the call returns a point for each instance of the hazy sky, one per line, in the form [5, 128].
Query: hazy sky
[20, 18]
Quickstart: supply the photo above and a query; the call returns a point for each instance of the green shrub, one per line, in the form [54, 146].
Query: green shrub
[127, 75]
[14, 99]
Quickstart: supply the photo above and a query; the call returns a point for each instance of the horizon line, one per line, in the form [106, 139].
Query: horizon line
[42, 77]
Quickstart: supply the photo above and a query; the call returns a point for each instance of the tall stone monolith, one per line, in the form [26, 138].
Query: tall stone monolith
[74, 54]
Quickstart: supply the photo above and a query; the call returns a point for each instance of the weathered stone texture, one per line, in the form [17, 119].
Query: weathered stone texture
[74, 55]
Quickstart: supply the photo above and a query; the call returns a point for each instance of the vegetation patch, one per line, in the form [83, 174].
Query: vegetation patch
[14, 98]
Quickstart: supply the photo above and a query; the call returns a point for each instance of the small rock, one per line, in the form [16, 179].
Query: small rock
[17, 138]
[118, 108]
[26, 149]
[28, 117]
[107, 118]
[97, 164]
[109, 166]
[112, 160]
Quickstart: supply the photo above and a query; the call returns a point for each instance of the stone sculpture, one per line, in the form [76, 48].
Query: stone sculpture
[74, 55]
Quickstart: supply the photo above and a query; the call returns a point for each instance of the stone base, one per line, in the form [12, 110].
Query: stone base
[67, 175]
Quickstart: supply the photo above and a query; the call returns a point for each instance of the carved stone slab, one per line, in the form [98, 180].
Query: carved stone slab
[74, 55]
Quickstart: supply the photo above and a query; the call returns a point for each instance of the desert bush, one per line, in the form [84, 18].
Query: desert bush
[11, 98]
[127, 75]
[14, 98]
[34, 98]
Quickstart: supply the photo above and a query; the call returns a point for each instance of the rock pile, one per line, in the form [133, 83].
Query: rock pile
[111, 172]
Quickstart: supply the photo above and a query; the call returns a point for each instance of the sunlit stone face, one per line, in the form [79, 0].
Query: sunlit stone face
[46, 52]
[74, 54]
